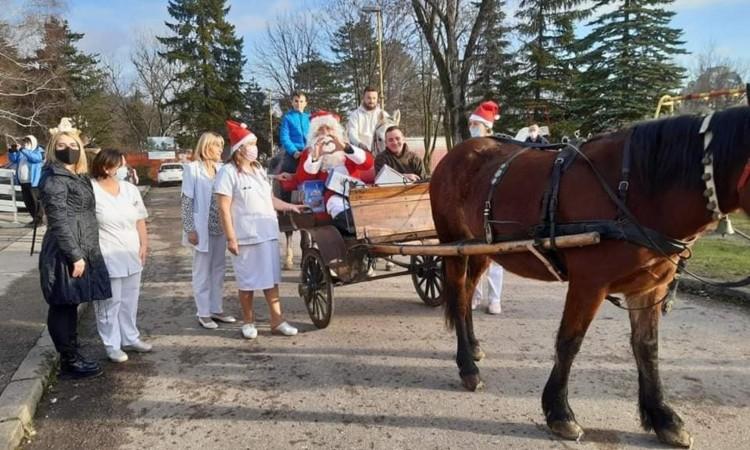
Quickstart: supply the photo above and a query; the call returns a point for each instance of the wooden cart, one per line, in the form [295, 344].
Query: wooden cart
[389, 221]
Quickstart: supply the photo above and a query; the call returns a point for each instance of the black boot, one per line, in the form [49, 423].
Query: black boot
[76, 367]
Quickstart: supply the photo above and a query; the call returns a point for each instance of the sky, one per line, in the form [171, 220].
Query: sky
[111, 26]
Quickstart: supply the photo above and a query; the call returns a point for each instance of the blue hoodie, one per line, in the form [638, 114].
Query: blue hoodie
[33, 159]
[293, 131]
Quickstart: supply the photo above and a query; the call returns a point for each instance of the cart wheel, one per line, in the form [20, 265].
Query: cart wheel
[427, 276]
[316, 288]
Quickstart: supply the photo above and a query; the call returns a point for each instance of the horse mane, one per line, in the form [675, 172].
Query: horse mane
[667, 152]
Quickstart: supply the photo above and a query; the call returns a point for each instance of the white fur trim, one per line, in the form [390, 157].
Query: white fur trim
[324, 120]
[249, 137]
[481, 120]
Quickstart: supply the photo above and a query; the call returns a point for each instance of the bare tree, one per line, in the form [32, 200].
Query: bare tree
[449, 27]
[142, 100]
[292, 40]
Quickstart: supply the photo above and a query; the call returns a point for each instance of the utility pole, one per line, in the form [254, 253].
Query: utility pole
[379, 38]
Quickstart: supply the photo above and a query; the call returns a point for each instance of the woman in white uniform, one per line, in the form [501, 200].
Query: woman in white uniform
[248, 214]
[124, 242]
[480, 125]
[201, 230]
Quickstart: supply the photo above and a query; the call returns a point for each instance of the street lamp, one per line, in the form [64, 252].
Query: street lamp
[379, 19]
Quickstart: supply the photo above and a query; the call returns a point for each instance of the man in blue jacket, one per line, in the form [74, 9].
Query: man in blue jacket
[293, 132]
[28, 161]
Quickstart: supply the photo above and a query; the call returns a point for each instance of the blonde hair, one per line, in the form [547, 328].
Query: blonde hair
[79, 167]
[207, 139]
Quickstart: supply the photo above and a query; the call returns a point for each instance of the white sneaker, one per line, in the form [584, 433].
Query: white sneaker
[207, 323]
[140, 347]
[249, 331]
[117, 355]
[285, 329]
[494, 308]
[389, 266]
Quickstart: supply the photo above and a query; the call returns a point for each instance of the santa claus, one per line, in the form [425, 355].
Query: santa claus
[328, 151]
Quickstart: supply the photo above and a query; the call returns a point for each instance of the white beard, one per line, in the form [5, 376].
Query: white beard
[332, 160]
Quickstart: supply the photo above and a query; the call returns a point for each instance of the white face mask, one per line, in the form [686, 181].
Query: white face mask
[122, 173]
[27, 146]
[476, 131]
[250, 152]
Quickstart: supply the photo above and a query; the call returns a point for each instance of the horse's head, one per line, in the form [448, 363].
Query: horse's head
[385, 121]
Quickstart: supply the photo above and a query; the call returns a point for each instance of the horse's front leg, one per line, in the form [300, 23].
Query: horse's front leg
[581, 305]
[656, 414]
[456, 309]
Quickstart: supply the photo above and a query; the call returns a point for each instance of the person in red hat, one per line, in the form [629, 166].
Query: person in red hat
[483, 118]
[328, 151]
[481, 122]
[247, 209]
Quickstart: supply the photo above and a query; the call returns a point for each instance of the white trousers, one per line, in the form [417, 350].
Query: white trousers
[115, 317]
[208, 277]
[494, 277]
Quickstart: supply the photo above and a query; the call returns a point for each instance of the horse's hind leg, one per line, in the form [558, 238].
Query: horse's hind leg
[289, 262]
[655, 412]
[477, 266]
[581, 305]
[456, 310]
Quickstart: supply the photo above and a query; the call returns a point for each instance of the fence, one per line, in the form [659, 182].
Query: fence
[10, 194]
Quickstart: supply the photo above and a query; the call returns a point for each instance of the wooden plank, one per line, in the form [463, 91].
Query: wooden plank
[574, 240]
[392, 212]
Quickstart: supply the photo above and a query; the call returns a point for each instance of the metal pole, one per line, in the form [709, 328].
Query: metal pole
[380, 56]
[270, 118]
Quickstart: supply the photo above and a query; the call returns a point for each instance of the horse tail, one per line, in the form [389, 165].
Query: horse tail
[454, 279]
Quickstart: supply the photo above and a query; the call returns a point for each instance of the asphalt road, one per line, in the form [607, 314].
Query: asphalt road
[383, 376]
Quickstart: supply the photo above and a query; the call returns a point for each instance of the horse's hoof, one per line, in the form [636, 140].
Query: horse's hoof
[477, 354]
[566, 429]
[472, 382]
[676, 438]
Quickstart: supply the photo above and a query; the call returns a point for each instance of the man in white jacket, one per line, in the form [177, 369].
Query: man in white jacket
[363, 120]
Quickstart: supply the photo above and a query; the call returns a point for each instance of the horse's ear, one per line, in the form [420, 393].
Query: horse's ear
[382, 116]
[397, 116]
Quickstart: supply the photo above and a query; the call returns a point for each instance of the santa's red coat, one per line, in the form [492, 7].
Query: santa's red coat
[355, 170]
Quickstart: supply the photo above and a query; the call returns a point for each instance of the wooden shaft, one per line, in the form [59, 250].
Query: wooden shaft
[573, 240]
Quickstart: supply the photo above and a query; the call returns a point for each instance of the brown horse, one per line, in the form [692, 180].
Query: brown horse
[666, 194]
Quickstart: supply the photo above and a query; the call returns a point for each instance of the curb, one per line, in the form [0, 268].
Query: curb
[20, 398]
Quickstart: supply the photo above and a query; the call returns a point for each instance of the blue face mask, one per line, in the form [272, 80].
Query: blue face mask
[122, 173]
[476, 132]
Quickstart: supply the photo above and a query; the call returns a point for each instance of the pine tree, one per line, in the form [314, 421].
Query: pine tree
[353, 45]
[318, 79]
[210, 56]
[257, 116]
[548, 74]
[77, 88]
[629, 57]
[497, 77]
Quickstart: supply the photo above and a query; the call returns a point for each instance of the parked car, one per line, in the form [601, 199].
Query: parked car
[169, 173]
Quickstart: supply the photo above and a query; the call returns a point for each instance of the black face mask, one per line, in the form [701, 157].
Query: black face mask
[68, 155]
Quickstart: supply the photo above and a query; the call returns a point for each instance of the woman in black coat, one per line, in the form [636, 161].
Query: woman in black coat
[71, 266]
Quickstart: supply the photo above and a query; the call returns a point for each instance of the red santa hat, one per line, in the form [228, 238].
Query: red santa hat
[320, 118]
[487, 113]
[239, 134]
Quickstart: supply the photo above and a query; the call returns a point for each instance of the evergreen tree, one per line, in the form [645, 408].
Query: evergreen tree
[629, 56]
[497, 77]
[76, 88]
[257, 116]
[354, 48]
[318, 79]
[547, 28]
[209, 54]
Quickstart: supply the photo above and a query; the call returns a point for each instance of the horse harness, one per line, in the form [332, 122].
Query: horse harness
[625, 227]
